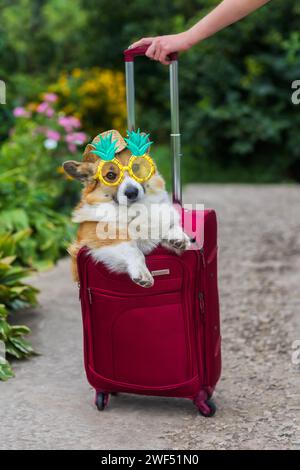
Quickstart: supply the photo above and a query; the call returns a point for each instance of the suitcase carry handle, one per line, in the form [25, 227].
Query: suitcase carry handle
[129, 56]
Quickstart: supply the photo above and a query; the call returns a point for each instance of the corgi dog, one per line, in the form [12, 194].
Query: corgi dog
[124, 211]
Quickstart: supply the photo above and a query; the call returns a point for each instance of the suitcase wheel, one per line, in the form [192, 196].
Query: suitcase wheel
[206, 408]
[101, 400]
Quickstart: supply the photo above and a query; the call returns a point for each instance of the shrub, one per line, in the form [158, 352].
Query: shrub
[14, 295]
[33, 192]
[34, 231]
[96, 96]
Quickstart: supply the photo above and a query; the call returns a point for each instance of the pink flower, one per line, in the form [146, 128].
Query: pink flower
[49, 112]
[50, 97]
[75, 122]
[19, 111]
[76, 138]
[53, 135]
[42, 107]
[72, 148]
[69, 123]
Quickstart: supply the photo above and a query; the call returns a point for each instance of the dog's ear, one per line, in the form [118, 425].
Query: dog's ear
[82, 171]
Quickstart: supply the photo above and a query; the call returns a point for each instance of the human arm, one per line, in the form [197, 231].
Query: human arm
[224, 14]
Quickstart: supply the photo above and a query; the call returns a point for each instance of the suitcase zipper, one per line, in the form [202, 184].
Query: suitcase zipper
[200, 293]
[90, 295]
[202, 257]
[201, 304]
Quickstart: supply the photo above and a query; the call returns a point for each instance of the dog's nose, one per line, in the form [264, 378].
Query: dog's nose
[131, 193]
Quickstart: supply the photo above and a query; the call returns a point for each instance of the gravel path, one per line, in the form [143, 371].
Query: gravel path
[49, 403]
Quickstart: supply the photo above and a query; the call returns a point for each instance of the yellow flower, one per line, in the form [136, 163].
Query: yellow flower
[96, 96]
[32, 106]
[76, 73]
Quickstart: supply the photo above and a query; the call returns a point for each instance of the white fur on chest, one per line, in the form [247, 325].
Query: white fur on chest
[147, 220]
[149, 223]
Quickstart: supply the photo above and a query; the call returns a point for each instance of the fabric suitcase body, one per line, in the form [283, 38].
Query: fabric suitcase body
[164, 340]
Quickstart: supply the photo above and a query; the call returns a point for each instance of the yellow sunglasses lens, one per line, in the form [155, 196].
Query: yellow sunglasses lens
[142, 168]
[110, 173]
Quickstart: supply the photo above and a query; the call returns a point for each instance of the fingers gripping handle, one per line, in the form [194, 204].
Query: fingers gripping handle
[129, 55]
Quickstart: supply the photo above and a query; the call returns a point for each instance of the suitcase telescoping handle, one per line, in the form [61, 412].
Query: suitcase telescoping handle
[129, 56]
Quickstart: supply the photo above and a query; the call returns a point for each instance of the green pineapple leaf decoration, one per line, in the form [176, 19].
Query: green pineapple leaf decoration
[105, 148]
[137, 143]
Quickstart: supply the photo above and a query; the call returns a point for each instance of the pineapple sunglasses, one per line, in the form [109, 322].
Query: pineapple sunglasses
[112, 172]
[140, 166]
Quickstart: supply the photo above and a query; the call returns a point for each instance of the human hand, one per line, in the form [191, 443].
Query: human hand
[161, 46]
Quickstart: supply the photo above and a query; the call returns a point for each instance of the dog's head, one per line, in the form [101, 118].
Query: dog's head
[125, 178]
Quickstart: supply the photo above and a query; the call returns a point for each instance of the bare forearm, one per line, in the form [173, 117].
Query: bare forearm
[226, 13]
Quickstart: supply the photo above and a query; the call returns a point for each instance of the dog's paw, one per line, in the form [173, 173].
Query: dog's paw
[179, 244]
[144, 279]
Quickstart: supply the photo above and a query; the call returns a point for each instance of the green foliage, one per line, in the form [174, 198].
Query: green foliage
[34, 232]
[48, 234]
[242, 124]
[38, 36]
[95, 95]
[59, 31]
[14, 295]
[237, 117]
[137, 142]
[34, 195]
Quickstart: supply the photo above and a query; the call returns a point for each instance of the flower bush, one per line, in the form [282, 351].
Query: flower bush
[34, 193]
[35, 200]
[96, 96]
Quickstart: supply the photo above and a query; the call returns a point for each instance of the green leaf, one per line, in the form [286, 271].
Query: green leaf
[3, 311]
[21, 235]
[7, 245]
[4, 294]
[4, 329]
[23, 346]
[6, 371]
[15, 274]
[12, 350]
[19, 330]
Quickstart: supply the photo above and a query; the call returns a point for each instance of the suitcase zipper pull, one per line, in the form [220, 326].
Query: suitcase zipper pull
[201, 303]
[202, 257]
[90, 295]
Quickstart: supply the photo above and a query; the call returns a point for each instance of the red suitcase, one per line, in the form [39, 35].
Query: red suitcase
[164, 340]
